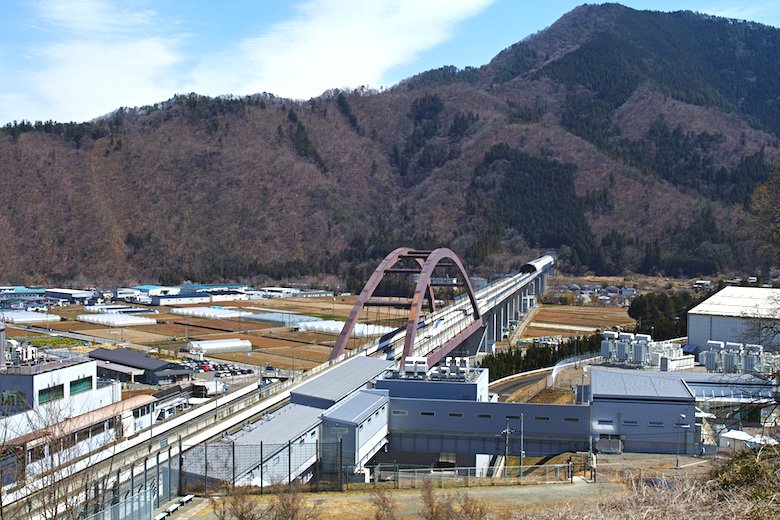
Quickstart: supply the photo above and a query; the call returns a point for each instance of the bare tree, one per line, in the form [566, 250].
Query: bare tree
[763, 221]
[763, 322]
[289, 504]
[385, 503]
[434, 507]
[450, 506]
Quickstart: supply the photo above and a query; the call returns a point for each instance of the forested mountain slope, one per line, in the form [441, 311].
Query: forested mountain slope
[627, 140]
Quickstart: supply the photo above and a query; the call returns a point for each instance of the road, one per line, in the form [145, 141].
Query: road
[507, 388]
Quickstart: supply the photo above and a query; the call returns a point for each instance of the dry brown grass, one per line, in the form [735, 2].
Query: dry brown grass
[688, 499]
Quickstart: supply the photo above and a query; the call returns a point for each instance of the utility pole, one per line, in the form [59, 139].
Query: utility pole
[522, 447]
[506, 448]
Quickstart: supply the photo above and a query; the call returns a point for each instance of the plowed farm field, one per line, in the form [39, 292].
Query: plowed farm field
[576, 320]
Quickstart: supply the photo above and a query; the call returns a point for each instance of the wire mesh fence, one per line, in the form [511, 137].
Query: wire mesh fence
[214, 466]
[135, 507]
[475, 477]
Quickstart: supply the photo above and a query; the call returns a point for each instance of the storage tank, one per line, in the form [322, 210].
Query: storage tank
[626, 336]
[712, 344]
[643, 337]
[610, 335]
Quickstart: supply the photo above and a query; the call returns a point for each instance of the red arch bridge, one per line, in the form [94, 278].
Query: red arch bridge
[473, 322]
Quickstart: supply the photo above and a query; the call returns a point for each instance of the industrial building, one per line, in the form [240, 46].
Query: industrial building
[736, 315]
[363, 414]
[135, 367]
[285, 444]
[38, 379]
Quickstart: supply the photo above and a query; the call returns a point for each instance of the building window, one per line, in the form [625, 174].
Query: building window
[605, 422]
[456, 414]
[655, 424]
[541, 418]
[14, 398]
[428, 414]
[513, 417]
[484, 416]
[630, 423]
[399, 412]
[51, 394]
[571, 419]
[81, 385]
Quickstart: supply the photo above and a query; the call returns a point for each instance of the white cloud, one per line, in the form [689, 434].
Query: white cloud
[767, 11]
[90, 59]
[331, 44]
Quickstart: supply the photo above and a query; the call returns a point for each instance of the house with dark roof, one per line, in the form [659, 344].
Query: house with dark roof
[137, 367]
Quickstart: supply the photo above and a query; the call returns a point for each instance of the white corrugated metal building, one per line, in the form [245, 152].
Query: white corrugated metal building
[219, 345]
[735, 314]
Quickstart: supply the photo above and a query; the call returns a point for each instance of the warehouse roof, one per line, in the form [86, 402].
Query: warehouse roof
[338, 382]
[630, 384]
[741, 302]
[131, 358]
[359, 406]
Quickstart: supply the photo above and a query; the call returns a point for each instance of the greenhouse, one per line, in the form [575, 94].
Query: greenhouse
[212, 313]
[283, 318]
[27, 317]
[219, 345]
[115, 320]
[334, 327]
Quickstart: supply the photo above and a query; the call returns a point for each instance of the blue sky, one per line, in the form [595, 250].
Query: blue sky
[74, 60]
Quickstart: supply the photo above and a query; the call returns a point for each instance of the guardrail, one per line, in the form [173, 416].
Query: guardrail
[569, 361]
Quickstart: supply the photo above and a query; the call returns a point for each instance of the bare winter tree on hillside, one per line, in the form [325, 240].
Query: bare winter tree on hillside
[763, 221]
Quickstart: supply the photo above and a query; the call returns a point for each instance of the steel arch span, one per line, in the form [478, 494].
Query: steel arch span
[427, 262]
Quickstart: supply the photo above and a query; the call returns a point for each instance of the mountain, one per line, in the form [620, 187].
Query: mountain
[629, 141]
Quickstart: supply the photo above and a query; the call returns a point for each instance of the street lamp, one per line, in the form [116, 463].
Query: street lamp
[680, 426]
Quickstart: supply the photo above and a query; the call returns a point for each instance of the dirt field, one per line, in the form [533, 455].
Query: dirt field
[576, 320]
[553, 396]
[267, 357]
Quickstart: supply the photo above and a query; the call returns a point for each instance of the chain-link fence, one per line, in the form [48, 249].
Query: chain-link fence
[135, 507]
[213, 466]
[474, 477]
